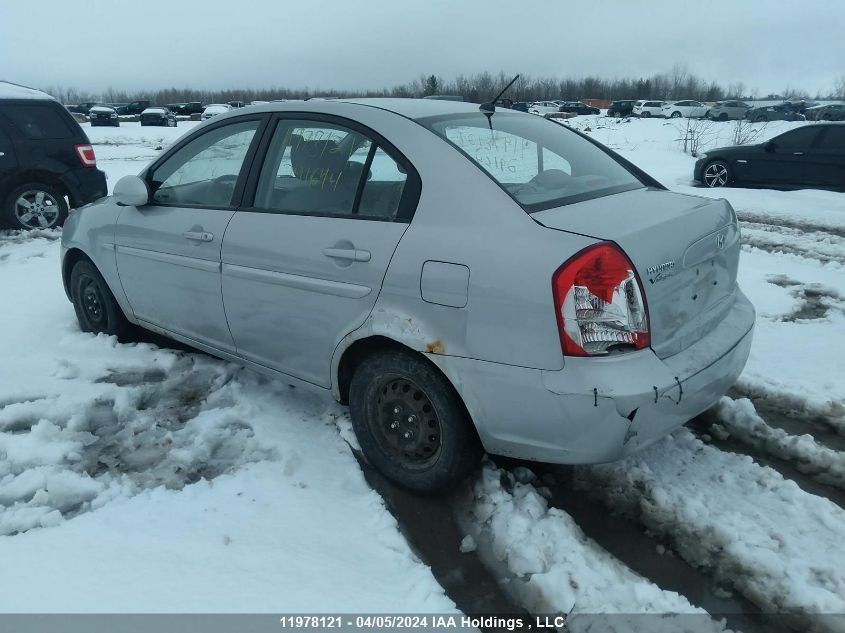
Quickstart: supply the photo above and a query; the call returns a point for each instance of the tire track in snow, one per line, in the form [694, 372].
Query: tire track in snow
[813, 244]
[709, 429]
[741, 420]
[763, 535]
[551, 566]
[645, 554]
[751, 217]
[430, 529]
[826, 423]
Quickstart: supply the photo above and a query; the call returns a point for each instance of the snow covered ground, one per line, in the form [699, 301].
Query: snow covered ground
[153, 479]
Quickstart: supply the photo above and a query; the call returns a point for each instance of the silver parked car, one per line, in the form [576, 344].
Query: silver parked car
[728, 110]
[461, 279]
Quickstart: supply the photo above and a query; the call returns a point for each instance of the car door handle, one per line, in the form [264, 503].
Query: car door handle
[199, 236]
[797, 153]
[351, 254]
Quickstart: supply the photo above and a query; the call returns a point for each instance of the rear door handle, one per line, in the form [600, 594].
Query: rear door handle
[351, 254]
[199, 236]
[797, 153]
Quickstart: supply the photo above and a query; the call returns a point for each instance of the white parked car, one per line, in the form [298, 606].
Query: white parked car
[215, 109]
[543, 107]
[645, 108]
[688, 109]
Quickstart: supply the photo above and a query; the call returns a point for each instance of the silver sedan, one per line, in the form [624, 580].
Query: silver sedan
[463, 278]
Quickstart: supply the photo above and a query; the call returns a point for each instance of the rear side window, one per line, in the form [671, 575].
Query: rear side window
[322, 168]
[834, 138]
[39, 121]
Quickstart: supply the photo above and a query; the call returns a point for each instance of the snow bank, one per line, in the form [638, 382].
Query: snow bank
[776, 544]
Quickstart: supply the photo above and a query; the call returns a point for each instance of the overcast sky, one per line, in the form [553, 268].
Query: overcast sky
[143, 44]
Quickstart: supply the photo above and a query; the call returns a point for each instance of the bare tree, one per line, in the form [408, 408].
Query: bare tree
[839, 88]
[745, 132]
[694, 134]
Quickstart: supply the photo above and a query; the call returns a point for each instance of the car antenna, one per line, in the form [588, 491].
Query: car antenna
[489, 107]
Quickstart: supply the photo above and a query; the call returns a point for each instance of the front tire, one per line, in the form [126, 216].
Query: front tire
[676, 115]
[34, 205]
[411, 423]
[96, 308]
[716, 174]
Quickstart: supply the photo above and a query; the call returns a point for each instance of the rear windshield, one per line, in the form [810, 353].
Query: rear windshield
[39, 121]
[540, 163]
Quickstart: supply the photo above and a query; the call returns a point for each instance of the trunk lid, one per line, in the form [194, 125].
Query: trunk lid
[684, 248]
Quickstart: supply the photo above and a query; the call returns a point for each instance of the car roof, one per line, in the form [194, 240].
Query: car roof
[408, 108]
[9, 90]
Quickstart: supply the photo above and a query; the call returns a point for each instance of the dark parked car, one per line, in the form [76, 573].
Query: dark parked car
[808, 156]
[576, 107]
[46, 160]
[186, 109]
[82, 108]
[137, 107]
[779, 112]
[621, 108]
[832, 112]
[520, 106]
[101, 115]
[158, 115]
[120, 108]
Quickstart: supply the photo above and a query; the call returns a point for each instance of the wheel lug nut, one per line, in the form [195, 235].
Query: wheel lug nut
[394, 425]
[407, 435]
[410, 418]
[396, 410]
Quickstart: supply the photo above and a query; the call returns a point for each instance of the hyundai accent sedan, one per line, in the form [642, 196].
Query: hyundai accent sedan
[462, 279]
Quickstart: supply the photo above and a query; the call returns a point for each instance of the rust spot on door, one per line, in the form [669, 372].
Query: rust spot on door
[435, 347]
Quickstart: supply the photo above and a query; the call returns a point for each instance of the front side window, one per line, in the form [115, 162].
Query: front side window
[320, 168]
[204, 172]
[800, 138]
[541, 164]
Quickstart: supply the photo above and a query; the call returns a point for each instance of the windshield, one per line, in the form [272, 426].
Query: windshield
[541, 164]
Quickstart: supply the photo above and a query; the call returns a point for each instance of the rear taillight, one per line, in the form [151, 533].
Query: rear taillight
[600, 303]
[86, 155]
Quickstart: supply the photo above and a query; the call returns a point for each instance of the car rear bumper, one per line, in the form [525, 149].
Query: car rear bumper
[84, 185]
[600, 409]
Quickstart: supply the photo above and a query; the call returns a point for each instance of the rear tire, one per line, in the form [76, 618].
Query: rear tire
[716, 174]
[676, 115]
[34, 205]
[646, 114]
[96, 308]
[411, 423]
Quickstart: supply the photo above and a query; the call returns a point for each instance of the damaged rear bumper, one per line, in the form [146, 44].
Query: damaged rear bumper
[601, 409]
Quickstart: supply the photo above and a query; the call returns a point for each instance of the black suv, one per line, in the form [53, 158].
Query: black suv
[46, 161]
[621, 108]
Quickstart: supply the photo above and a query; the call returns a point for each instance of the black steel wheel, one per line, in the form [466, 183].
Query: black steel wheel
[96, 308]
[410, 422]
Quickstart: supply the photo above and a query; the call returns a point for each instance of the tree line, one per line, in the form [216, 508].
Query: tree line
[678, 83]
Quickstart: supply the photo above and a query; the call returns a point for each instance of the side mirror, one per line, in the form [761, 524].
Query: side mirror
[131, 191]
[769, 146]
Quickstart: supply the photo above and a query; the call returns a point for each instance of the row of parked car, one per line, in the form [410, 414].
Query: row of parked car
[108, 114]
[731, 109]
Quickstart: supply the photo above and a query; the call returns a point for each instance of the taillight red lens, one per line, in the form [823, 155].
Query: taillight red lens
[86, 155]
[600, 303]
